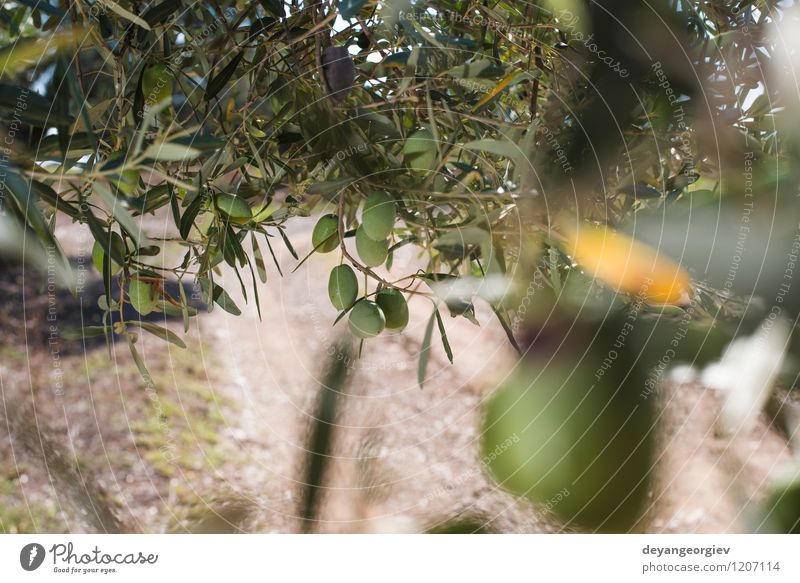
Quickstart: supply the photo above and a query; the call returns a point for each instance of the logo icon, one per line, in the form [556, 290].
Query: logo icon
[31, 556]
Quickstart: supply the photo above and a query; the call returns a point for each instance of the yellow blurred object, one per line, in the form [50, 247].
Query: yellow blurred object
[629, 266]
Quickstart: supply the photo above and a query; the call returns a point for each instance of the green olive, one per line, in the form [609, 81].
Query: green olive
[559, 436]
[372, 253]
[420, 150]
[234, 206]
[366, 319]
[325, 237]
[157, 84]
[780, 511]
[378, 216]
[394, 307]
[141, 296]
[342, 287]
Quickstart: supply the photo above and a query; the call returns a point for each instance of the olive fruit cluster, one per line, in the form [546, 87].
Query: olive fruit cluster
[377, 222]
[368, 318]
[372, 236]
[388, 309]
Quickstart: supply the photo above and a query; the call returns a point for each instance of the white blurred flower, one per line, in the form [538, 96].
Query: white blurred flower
[682, 374]
[747, 372]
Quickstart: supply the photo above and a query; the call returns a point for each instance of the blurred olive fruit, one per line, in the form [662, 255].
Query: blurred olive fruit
[342, 287]
[372, 253]
[378, 216]
[142, 296]
[234, 207]
[366, 319]
[157, 83]
[781, 509]
[325, 237]
[420, 150]
[394, 307]
[339, 71]
[97, 258]
[126, 181]
[629, 266]
[560, 435]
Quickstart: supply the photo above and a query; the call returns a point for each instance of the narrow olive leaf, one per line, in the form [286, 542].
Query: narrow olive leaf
[173, 205]
[162, 333]
[255, 288]
[138, 99]
[425, 353]
[288, 243]
[325, 188]
[504, 149]
[80, 102]
[506, 328]
[262, 270]
[15, 241]
[342, 314]
[126, 14]
[443, 332]
[499, 88]
[216, 83]
[171, 152]
[330, 397]
[25, 199]
[184, 306]
[49, 196]
[272, 253]
[224, 301]
[274, 7]
[83, 332]
[124, 218]
[187, 220]
[146, 377]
